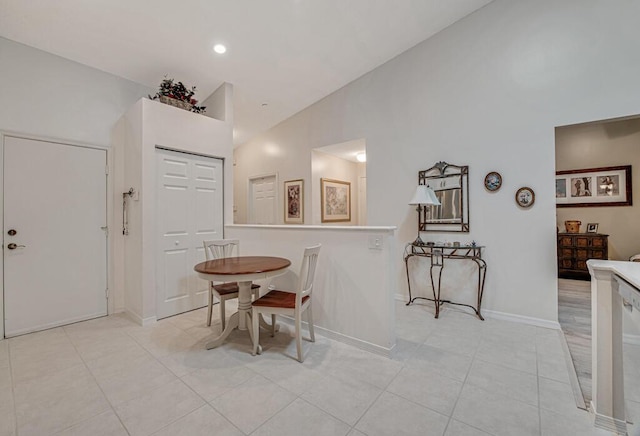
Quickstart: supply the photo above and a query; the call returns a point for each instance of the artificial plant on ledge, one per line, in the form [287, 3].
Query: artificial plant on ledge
[176, 94]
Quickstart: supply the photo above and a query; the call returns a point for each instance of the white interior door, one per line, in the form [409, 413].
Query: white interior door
[55, 201]
[189, 206]
[263, 200]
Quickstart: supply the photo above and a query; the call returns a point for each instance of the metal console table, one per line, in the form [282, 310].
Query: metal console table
[438, 254]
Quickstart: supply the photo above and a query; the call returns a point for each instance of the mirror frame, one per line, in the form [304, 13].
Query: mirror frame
[428, 177]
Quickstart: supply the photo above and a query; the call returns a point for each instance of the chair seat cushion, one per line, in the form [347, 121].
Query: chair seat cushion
[230, 288]
[281, 299]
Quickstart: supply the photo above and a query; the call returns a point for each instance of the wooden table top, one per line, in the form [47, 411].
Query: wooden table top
[242, 265]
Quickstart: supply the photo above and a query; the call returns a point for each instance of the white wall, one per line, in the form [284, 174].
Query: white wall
[219, 104]
[46, 95]
[486, 92]
[146, 125]
[601, 145]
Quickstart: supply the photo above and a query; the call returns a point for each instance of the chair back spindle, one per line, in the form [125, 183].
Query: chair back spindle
[308, 270]
[219, 248]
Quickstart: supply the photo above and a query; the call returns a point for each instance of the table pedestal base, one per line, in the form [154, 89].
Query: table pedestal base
[241, 319]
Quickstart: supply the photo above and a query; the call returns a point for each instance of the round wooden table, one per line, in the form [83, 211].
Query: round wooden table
[243, 269]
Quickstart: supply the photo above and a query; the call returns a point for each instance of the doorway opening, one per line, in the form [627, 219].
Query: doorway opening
[585, 157]
[345, 163]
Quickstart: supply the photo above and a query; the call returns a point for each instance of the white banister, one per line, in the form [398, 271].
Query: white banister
[606, 336]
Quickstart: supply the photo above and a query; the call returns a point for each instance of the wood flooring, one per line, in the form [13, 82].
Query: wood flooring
[574, 315]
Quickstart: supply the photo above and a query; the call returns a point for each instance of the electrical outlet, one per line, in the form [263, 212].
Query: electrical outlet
[376, 242]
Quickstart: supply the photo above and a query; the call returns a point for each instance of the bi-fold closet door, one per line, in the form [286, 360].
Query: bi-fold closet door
[189, 210]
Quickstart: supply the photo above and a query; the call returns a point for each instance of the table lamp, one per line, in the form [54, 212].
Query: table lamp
[423, 196]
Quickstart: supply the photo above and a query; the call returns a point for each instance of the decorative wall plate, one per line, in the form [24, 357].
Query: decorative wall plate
[493, 181]
[525, 197]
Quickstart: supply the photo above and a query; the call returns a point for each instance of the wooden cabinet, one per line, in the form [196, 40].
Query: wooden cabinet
[574, 249]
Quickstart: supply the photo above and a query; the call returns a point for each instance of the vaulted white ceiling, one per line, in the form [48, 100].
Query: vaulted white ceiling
[286, 54]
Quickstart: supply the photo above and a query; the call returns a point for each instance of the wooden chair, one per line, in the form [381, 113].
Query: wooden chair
[218, 249]
[287, 302]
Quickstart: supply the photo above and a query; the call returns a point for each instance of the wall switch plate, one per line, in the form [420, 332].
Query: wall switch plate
[376, 242]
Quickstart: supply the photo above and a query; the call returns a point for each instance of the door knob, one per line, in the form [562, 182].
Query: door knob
[13, 246]
[12, 232]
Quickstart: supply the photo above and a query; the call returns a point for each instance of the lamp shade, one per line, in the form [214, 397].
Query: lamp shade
[424, 195]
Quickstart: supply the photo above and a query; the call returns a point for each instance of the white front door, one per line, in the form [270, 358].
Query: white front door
[263, 200]
[55, 198]
[189, 211]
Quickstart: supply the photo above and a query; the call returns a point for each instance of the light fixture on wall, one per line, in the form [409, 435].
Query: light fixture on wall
[423, 196]
[361, 157]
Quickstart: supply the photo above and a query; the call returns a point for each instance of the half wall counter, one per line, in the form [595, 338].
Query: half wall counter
[355, 282]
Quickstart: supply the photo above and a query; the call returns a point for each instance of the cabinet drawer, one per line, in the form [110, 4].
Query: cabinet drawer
[566, 241]
[582, 241]
[581, 264]
[598, 242]
[596, 254]
[566, 252]
[582, 253]
[565, 263]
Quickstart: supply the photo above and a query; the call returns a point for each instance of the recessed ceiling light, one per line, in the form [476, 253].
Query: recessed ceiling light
[361, 157]
[219, 48]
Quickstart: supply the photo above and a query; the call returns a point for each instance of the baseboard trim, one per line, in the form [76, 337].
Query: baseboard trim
[631, 339]
[349, 340]
[538, 322]
[608, 423]
[139, 320]
[521, 319]
[52, 325]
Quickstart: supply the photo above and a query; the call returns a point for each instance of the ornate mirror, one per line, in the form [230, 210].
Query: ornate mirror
[451, 185]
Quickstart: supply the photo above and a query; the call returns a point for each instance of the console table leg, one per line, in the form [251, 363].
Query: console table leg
[406, 265]
[482, 274]
[436, 289]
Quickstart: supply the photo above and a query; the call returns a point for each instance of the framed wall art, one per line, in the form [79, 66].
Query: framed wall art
[493, 181]
[592, 228]
[525, 197]
[335, 200]
[294, 201]
[606, 186]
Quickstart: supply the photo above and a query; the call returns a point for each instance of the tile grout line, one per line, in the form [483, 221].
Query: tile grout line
[99, 387]
[538, 385]
[207, 403]
[455, 405]
[13, 391]
[157, 359]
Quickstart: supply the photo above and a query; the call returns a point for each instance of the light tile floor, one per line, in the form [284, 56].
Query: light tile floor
[456, 376]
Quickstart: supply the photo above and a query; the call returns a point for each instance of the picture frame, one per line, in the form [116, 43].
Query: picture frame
[335, 200]
[593, 187]
[294, 201]
[493, 181]
[525, 197]
[592, 228]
